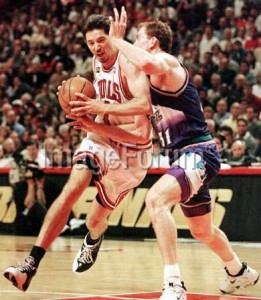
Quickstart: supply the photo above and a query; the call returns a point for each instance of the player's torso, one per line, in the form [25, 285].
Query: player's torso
[178, 116]
[109, 86]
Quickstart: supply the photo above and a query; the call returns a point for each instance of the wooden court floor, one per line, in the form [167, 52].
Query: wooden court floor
[124, 270]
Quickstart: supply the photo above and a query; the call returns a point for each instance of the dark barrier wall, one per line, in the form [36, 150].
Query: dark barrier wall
[235, 193]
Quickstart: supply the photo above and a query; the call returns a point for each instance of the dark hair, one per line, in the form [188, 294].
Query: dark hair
[226, 128]
[96, 22]
[220, 137]
[161, 31]
[30, 143]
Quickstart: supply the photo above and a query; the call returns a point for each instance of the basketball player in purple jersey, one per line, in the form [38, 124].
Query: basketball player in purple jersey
[181, 127]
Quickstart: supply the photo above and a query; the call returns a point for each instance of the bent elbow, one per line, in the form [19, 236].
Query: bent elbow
[146, 107]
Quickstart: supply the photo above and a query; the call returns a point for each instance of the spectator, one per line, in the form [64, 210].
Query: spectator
[17, 105]
[209, 68]
[61, 158]
[222, 24]
[4, 110]
[5, 160]
[27, 121]
[26, 98]
[250, 98]
[198, 83]
[49, 145]
[64, 131]
[30, 200]
[256, 89]
[239, 156]
[234, 114]
[254, 125]
[245, 135]
[46, 97]
[11, 122]
[57, 76]
[227, 74]
[33, 195]
[9, 147]
[228, 134]
[216, 51]
[211, 126]
[40, 131]
[19, 88]
[254, 65]
[223, 152]
[238, 89]
[208, 112]
[214, 89]
[245, 70]
[226, 38]
[208, 40]
[252, 42]
[33, 154]
[238, 53]
[17, 140]
[221, 113]
[240, 35]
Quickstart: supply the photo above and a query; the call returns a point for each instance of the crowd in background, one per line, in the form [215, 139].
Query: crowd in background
[41, 44]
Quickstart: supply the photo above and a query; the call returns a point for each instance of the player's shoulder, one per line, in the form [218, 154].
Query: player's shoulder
[127, 66]
[167, 57]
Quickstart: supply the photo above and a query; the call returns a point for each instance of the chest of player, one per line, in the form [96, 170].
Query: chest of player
[108, 89]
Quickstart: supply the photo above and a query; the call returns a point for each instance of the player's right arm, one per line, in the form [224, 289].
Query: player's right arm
[138, 85]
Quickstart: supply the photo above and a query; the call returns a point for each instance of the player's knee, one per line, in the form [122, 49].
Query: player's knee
[155, 205]
[151, 200]
[202, 234]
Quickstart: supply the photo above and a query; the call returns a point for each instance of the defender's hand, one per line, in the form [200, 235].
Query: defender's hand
[118, 26]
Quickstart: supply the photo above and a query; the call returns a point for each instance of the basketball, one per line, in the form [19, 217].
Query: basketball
[70, 87]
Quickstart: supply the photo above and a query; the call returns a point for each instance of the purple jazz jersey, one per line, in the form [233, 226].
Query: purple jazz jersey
[178, 115]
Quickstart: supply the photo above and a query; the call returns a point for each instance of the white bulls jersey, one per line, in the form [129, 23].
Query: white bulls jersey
[120, 166]
[109, 86]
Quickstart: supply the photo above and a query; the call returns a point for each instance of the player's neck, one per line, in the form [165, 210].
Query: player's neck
[108, 64]
[156, 50]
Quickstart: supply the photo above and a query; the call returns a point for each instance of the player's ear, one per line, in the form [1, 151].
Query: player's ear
[153, 42]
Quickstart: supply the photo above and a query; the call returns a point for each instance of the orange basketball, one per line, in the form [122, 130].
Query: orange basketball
[70, 87]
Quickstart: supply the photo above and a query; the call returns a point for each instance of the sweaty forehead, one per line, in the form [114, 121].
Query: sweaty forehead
[95, 35]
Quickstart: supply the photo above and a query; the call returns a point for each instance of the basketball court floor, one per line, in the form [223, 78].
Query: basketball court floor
[124, 270]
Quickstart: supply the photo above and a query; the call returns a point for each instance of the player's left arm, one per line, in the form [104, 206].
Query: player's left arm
[116, 133]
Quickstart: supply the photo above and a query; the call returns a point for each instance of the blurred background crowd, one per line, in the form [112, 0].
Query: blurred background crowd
[41, 45]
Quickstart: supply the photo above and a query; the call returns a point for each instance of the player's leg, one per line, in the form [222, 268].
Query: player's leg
[96, 225]
[59, 211]
[162, 196]
[238, 273]
[54, 222]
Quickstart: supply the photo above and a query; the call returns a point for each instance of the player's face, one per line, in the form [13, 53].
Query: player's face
[99, 44]
[142, 40]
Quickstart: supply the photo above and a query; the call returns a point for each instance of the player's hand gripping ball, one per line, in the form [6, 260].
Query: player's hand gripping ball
[70, 87]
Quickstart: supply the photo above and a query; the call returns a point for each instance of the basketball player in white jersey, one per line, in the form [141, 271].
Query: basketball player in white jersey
[114, 154]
